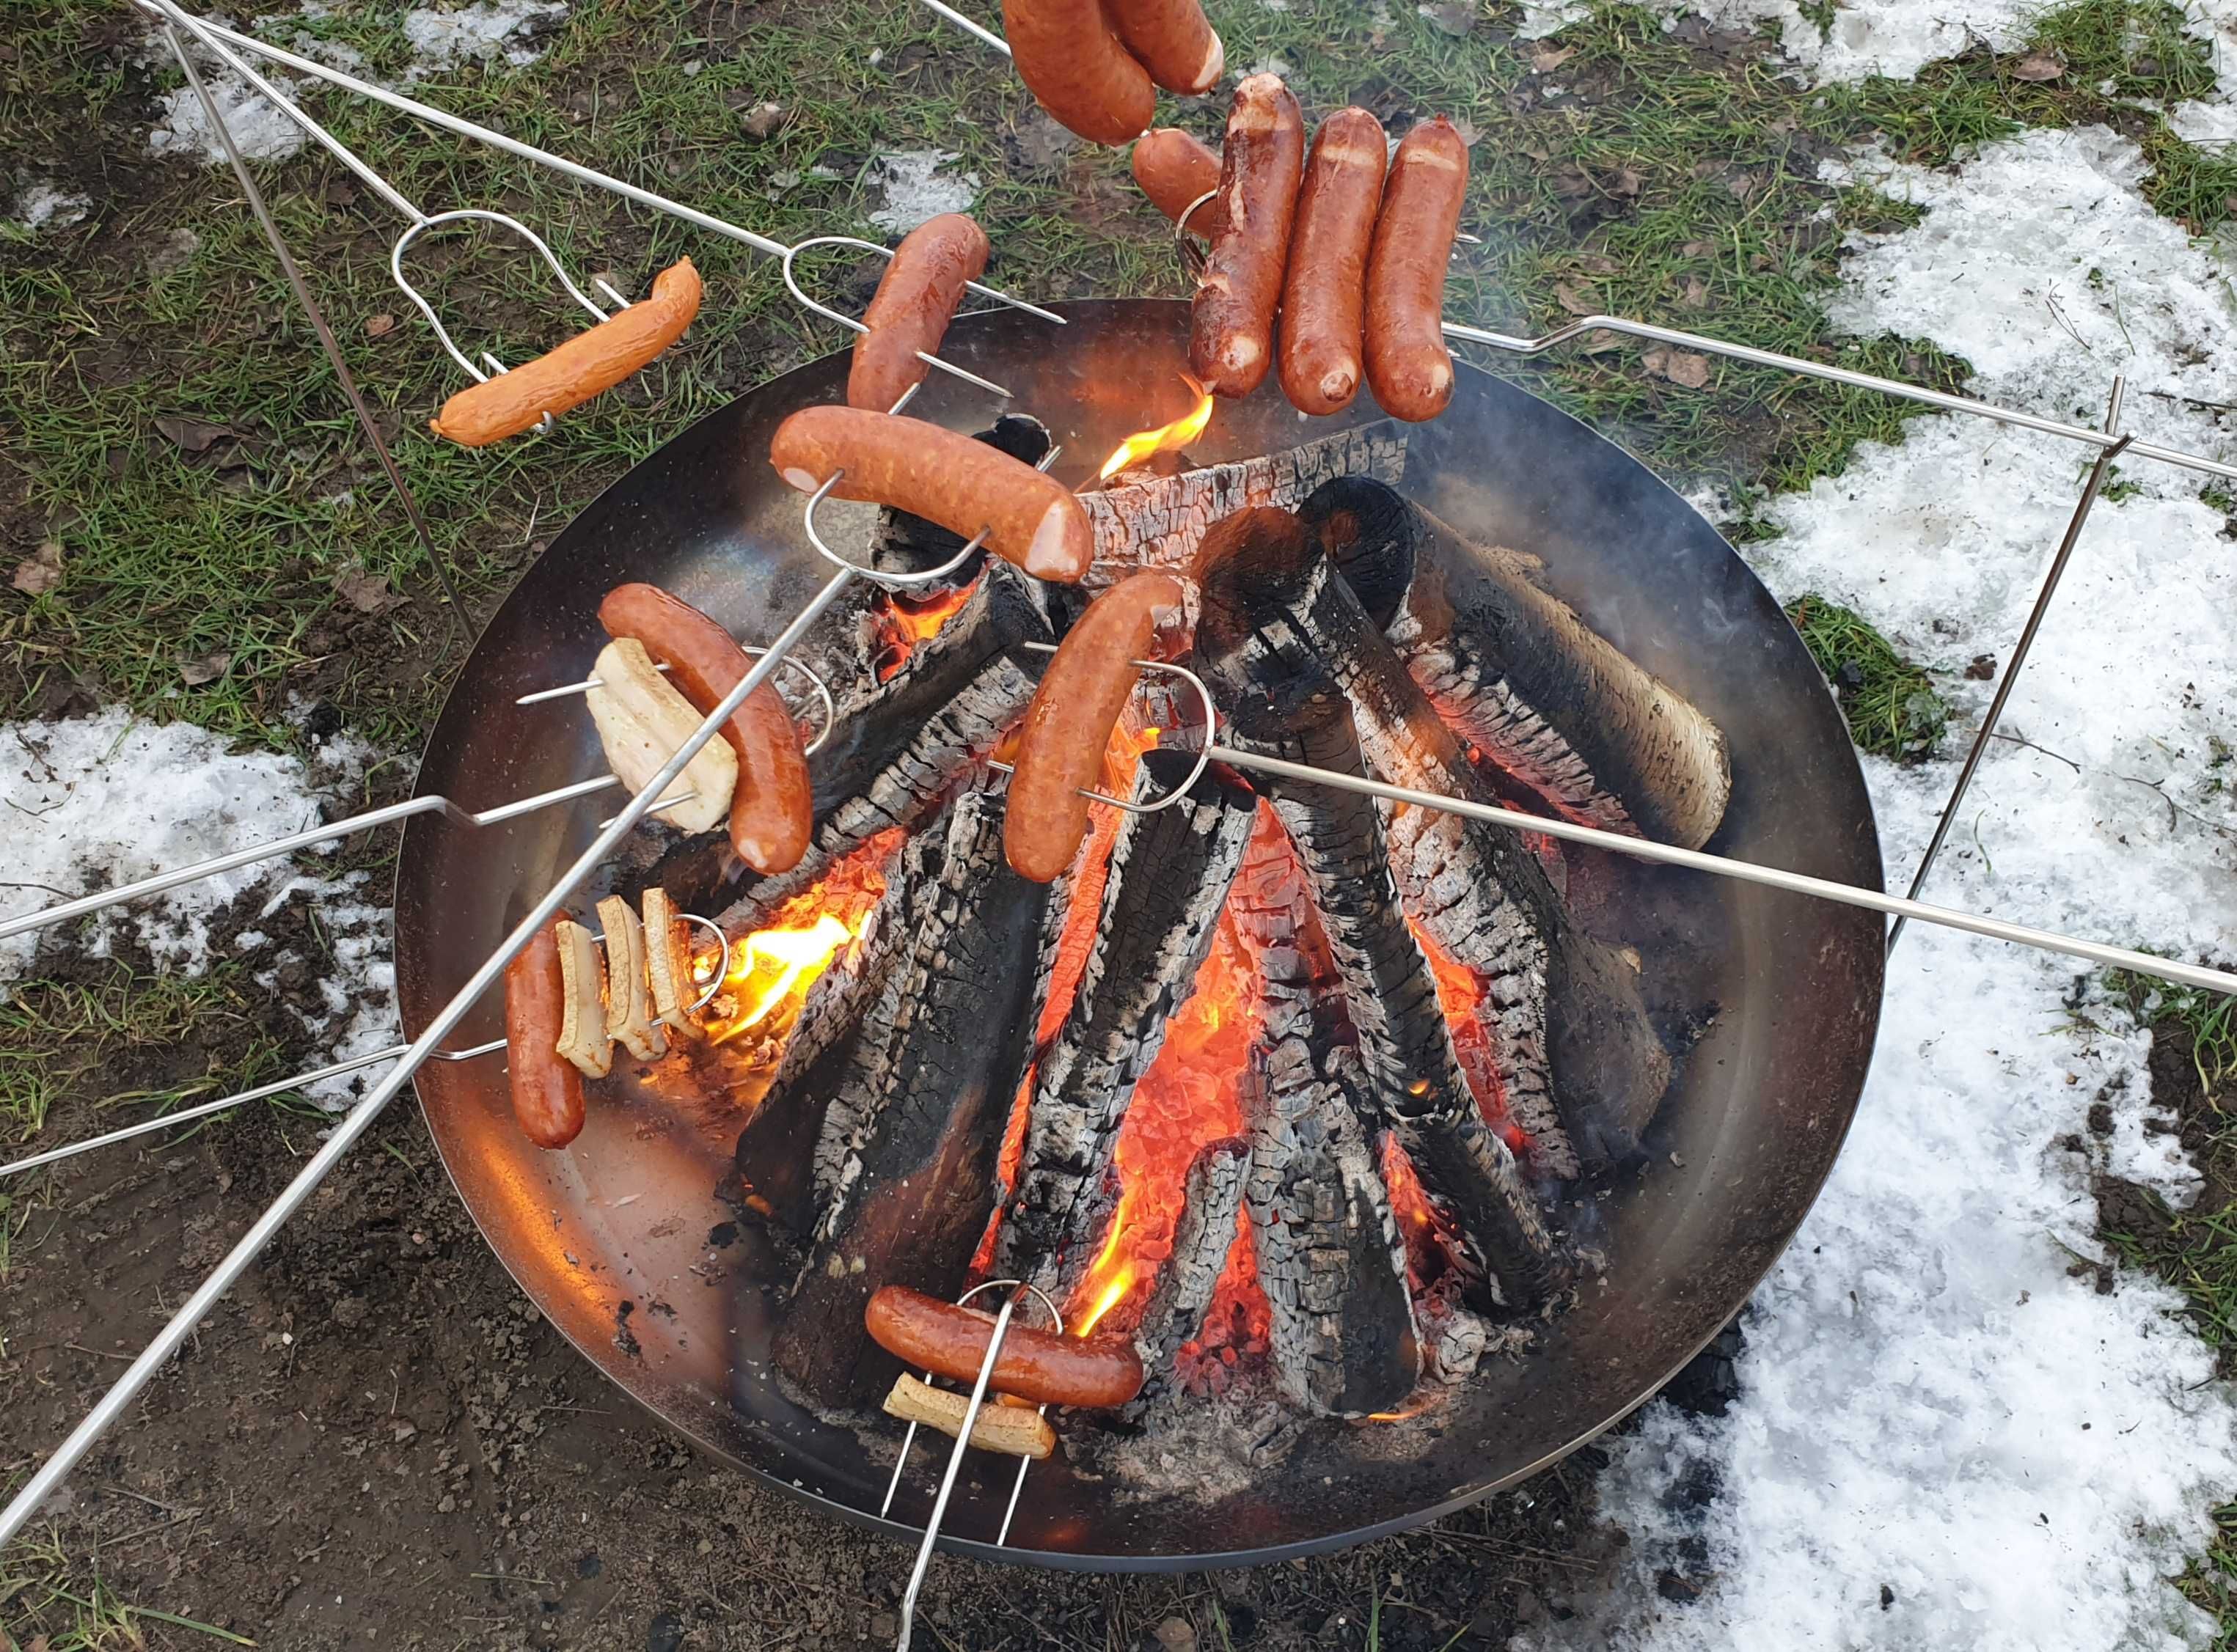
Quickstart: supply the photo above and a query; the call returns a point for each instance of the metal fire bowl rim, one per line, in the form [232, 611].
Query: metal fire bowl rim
[990, 343]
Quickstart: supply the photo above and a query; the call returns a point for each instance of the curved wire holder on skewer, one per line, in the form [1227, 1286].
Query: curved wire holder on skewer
[227, 44]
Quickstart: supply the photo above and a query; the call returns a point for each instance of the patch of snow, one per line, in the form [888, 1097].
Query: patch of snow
[2206, 124]
[479, 32]
[1932, 1402]
[1268, 66]
[43, 205]
[917, 186]
[97, 801]
[1892, 38]
[1540, 21]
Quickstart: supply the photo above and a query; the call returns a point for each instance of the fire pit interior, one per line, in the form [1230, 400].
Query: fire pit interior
[1400, 1198]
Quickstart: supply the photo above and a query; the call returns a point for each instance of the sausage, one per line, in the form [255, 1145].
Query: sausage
[588, 364]
[1231, 324]
[1324, 295]
[1073, 61]
[1407, 365]
[1038, 1366]
[911, 307]
[1060, 752]
[547, 1093]
[770, 810]
[946, 477]
[1173, 40]
[1176, 168]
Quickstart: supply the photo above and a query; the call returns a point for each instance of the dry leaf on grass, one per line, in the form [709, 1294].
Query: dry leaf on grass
[208, 668]
[1574, 302]
[1545, 59]
[763, 120]
[2038, 67]
[1600, 341]
[37, 574]
[1678, 366]
[192, 435]
[1696, 295]
[378, 326]
[367, 593]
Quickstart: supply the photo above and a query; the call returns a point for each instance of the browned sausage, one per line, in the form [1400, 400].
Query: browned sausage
[770, 809]
[1324, 296]
[1231, 325]
[1074, 63]
[1060, 751]
[1174, 41]
[1407, 365]
[964, 485]
[547, 1093]
[1176, 168]
[1038, 1365]
[911, 307]
[588, 364]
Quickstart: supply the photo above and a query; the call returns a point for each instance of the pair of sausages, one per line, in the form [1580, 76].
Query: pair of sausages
[771, 807]
[1038, 1365]
[1354, 262]
[588, 364]
[1094, 65]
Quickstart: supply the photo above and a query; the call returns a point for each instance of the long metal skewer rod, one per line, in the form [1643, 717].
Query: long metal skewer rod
[354, 1124]
[1747, 872]
[954, 1467]
[2012, 667]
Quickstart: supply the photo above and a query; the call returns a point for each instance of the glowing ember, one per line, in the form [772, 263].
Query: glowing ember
[1187, 1098]
[1143, 443]
[904, 621]
[772, 969]
[1460, 993]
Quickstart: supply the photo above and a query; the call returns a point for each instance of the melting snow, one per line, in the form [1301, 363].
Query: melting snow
[917, 186]
[1932, 1403]
[42, 206]
[97, 801]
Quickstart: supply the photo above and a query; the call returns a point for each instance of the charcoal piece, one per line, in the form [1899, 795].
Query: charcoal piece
[1213, 1194]
[1520, 676]
[1169, 875]
[913, 1183]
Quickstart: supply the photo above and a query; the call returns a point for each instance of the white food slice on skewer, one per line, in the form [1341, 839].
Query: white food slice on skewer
[667, 964]
[642, 720]
[1008, 1429]
[627, 1019]
[582, 1038]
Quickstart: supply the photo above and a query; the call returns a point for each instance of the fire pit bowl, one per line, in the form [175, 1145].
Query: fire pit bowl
[621, 1239]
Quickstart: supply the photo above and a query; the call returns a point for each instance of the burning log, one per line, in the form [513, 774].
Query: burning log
[834, 1036]
[1159, 522]
[1169, 876]
[1330, 1257]
[1213, 1193]
[1583, 1068]
[1521, 676]
[912, 1182]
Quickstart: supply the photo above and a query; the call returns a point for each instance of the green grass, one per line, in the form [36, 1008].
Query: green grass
[1891, 703]
[2209, 1582]
[46, 1603]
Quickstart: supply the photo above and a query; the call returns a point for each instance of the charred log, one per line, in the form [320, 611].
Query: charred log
[842, 1013]
[1159, 522]
[1521, 676]
[1213, 1193]
[1169, 876]
[1330, 1258]
[1583, 1069]
[913, 1181]
[905, 544]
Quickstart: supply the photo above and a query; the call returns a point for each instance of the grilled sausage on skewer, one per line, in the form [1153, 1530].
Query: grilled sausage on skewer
[942, 475]
[1073, 61]
[547, 1093]
[770, 807]
[1231, 324]
[1069, 722]
[927, 1334]
[1175, 169]
[1407, 365]
[911, 307]
[587, 364]
[1324, 295]
[1173, 40]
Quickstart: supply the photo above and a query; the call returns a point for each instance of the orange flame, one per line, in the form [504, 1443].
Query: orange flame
[905, 621]
[772, 968]
[1140, 445]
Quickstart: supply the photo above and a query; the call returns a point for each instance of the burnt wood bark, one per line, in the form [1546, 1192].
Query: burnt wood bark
[1158, 522]
[913, 1184]
[841, 1014]
[1519, 674]
[1583, 1067]
[1169, 876]
[1212, 1194]
[1330, 1257]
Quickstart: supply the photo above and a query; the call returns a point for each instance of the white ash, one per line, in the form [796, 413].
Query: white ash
[918, 186]
[97, 801]
[47, 205]
[1932, 1403]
